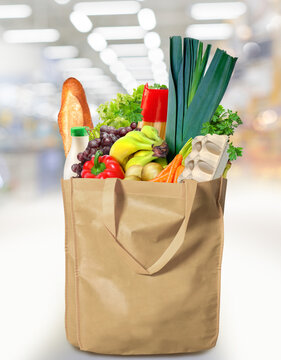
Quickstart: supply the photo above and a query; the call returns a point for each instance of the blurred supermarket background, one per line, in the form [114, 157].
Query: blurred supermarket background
[112, 46]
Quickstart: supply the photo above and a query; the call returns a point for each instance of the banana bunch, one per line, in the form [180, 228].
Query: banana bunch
[139, 147]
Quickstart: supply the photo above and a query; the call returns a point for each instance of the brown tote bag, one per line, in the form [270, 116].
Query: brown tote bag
[143, 265]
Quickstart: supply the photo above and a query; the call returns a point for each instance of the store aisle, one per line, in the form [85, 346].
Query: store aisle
[32, 268]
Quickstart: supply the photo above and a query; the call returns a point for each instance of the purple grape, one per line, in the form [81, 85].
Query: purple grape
[137, 129]
[75, 167]
[122, 131]
[93, 143]
[112, 137]
[103, 128]
[133, 125]
[86, 152]
[93, 152]
[106, 141]
[106, 150]
[80, 156]
[98, 141]
[111, 130]
[128, 129]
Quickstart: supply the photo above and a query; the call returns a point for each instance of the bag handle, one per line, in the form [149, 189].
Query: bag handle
[108, 209]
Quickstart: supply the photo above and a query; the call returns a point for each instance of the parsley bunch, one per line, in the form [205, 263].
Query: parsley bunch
[224, 122]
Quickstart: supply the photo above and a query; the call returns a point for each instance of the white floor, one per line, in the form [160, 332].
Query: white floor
[32, 278]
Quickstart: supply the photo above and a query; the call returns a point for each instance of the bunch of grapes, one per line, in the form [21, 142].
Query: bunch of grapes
[108, 136]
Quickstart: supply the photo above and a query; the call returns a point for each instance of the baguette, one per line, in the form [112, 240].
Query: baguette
[74, 110]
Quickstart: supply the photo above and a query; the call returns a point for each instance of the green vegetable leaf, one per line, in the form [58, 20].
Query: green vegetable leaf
[233, 151]
[157, 86]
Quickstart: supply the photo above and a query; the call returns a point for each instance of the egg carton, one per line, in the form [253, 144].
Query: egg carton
[207, 159]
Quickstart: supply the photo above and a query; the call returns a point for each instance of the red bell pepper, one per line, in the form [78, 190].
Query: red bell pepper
[154, 104]
[102, 167]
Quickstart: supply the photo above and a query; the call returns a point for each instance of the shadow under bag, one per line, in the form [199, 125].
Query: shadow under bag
[143, 264]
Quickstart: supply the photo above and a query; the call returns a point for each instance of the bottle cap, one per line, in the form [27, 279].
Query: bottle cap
[78, 131]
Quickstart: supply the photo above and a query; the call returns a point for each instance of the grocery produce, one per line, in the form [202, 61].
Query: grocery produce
[194, 94]
[134, 170]
[119, 112]
[133, 177]
[80, 140]
[224, 123]
[74, 111]
[146, 139]
[173, 170]
[154, 107]
[102, 167]
[207, 159]
[150, 171]
[141, 158]
[108, 137]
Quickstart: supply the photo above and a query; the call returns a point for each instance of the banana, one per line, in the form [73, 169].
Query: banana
[132, 142]
[141, 158]
[151, 133]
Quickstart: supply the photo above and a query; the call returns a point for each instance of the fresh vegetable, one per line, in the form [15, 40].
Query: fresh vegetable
[120, 112]
[146, 139]
[224, 122]
[154, 108]
[193, 94]
[102, 167]
[108, 136]
[134, 170]
[178, 173]
[168, 174]
[157, 86]
[150, 171]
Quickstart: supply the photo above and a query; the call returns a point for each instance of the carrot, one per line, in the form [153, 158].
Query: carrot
[178, 172]
[175, 164]
[162, 178]
[163, 173]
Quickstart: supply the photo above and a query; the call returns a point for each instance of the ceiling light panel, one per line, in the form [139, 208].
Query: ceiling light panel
[147, 19]
[15, 11]
[120, 32]
[71, 64]
[152, 40]
[31, 36]
[108, 7]
[80, 21]
[221, 10]
[210, 31]
[97, 41]
[60, 52]
[129, 49]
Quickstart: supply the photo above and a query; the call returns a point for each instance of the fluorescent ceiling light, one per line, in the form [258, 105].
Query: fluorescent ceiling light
[86, 72]
[161, 66]
[108, 56]
[71, 64]
[136, 61]
[31, 36]
[97, 41]
[81, 21]
[120, 32]
[116, 67]
[124, 77]
[218, 10]
[210, 31]
[147, 19]
[129, 49]
[108, 7]
[15, 11]
[152, 40]
[60, 52]
[156, 55]
[62, 2]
